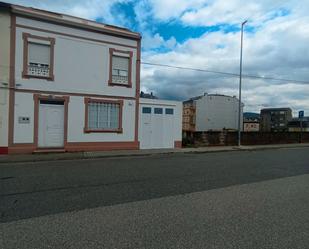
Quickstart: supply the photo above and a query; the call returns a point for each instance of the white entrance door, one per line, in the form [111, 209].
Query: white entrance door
[51, 125]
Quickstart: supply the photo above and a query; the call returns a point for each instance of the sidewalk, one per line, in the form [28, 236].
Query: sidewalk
[136, 153]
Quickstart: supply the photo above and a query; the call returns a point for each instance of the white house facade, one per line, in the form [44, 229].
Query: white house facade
[67, 84]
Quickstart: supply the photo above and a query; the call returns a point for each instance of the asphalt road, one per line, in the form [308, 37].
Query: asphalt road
[257, 199]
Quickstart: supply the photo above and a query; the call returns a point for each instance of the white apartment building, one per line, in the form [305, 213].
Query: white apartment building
[211, 112]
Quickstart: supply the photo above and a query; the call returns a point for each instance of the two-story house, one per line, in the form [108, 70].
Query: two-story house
[66, 83]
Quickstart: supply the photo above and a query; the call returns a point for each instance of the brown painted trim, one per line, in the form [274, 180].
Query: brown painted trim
[21, 149]
[72, 94]
[51, 41]
[77, 146]
[101, 146]
[73, 36]
[81, 26]
[120, 102]
[177, 144]
[137, 89]
[37, 98]
[4, 150]
[12, 80]
[110, 80]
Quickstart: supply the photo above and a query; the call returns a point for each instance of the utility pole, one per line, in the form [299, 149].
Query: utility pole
[301, 130]
[240, 78]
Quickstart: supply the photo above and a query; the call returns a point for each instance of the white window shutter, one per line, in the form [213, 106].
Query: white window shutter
[39, 53]
[120, 70]
[121, 63]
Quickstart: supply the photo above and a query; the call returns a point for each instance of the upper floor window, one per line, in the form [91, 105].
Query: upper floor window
[120, 68]
[38, 57]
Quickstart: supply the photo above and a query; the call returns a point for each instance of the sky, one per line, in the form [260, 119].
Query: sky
[205, 34]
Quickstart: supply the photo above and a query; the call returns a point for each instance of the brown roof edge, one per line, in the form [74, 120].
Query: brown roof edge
[71, 20]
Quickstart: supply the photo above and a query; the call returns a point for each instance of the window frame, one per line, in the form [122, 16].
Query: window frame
[103, 101]
[156, 109]
[148, 108]
[120, 53]
[169, 109]
[26, 38]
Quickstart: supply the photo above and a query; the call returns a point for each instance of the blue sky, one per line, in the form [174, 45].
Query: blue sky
[205, 34]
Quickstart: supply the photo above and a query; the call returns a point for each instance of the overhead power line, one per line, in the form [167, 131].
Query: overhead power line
[225, 73]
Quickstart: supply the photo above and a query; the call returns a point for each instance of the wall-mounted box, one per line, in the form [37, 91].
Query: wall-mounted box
[24, 120]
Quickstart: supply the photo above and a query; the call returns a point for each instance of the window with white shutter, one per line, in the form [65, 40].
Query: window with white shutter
[120, 71]
[38, 57]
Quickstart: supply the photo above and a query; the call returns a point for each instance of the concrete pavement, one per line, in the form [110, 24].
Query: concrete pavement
[136, 153]
[269, 214]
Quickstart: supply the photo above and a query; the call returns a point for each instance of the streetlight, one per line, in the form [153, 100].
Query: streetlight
[240, 75]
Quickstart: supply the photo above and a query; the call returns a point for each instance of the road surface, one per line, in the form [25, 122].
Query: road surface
[257, 199]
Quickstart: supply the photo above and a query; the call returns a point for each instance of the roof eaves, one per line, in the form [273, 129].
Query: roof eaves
[73, 21]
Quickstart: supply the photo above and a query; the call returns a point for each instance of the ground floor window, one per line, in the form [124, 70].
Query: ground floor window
[103, 116]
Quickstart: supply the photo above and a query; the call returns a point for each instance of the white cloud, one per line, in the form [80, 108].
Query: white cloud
[165, 10]
[278, 49]
[89, 9]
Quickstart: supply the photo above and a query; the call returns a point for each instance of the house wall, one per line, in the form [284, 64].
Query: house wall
[5, 23]
[188, 116]
[216, 112]
[76, 123]
[80, 65]
[24, 133]
[81, 70]
[24, 107]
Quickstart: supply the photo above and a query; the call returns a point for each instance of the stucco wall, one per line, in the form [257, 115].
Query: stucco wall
[81, 69]
[216, 112]
[80, 65]
[5, 23]
[24, 107]
[76, 119]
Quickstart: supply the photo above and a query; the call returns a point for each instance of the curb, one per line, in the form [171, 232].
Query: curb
[97, 155]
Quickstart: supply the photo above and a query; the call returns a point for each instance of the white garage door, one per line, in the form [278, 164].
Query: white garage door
[156, 127]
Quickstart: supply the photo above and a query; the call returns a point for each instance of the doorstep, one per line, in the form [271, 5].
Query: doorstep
[49, 150]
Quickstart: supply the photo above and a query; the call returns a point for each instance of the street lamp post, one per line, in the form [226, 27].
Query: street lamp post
[240, 78]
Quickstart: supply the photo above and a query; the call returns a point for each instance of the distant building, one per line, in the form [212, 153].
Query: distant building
[251, 122]
[251, 126]
[251, 116]
[275, 119]
[299, 125]
[188, 116]
[147, 95]
[211, 112]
